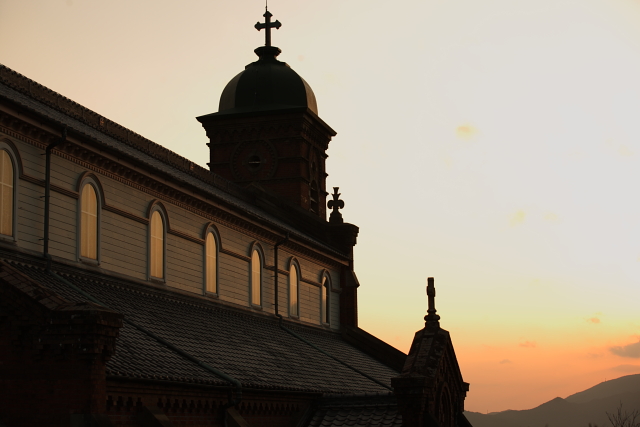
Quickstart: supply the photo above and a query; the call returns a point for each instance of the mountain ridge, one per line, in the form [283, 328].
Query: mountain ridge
[576, 410]
[627, 383]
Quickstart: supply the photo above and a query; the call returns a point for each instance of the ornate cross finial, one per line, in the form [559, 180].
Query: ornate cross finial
[335, 204]
[431, 318]
[267, 25]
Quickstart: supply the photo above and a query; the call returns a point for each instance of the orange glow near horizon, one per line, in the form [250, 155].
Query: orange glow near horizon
[533, 372]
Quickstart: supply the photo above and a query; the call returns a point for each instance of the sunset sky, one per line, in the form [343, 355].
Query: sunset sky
[493, 145]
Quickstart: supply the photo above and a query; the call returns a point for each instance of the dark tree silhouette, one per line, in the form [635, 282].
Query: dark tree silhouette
[622, 418]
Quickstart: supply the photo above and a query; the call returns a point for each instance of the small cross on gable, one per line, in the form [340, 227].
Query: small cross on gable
[267, 25]
[336, 204]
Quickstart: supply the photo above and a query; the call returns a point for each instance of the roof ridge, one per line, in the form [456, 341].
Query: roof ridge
[357, 395]
[61, 103]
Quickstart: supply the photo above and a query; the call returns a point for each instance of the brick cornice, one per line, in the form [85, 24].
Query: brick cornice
[231, 130]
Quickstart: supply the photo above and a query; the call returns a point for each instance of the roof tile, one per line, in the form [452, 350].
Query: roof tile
[252, 349]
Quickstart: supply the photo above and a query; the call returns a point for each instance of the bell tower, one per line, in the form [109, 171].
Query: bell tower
[267, 130]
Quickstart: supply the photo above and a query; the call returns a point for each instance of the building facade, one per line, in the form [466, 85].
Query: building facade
[138, 288]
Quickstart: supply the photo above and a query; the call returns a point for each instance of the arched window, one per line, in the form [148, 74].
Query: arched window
[294, 289]
[256, 277]
[325, 299]
[88, 222]
[7, 194]
[156, 245]
[211, 263]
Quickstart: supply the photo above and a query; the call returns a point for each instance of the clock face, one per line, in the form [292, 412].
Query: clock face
[253, 161]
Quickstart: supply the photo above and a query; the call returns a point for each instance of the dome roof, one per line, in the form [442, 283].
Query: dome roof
[267, 84]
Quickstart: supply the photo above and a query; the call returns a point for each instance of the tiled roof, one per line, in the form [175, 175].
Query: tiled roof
[251, 348]
[357, 411]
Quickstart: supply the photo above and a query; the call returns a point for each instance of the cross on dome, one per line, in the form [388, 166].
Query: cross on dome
[267, 25]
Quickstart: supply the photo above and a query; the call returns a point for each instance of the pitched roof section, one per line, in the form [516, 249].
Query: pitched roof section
[91, 119]
[250, 348]
[357, 411]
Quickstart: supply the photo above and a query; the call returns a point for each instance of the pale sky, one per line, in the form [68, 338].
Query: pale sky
[490, 144]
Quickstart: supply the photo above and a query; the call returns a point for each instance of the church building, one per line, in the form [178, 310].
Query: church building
[138, 288]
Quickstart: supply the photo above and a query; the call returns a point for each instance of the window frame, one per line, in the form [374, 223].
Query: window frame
[156, 206]
[89, 179]
[325, 304]
[210, 229]
[256, 248]
[16, 164]
[294, 264]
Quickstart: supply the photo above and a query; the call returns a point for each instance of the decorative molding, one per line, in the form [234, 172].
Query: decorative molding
[32, 180]
[87, 176]
[185, 236]
[203, 403]
[57, 189]
[126, 214]
[68, 193]
[311, 282]
[235, 255]
[25, 132]
[157, 205]
[287, 125]
[15, 154]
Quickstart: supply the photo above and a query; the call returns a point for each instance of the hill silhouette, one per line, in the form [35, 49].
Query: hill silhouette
[626, 384]
[577, 410]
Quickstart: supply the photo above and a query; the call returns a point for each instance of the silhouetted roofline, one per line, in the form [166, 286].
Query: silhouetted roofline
[40, 100]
